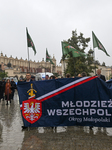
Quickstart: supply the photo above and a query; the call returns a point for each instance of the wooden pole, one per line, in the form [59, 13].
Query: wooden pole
[64, 66]
[45, 70]
[28, 59]
[74, 67]
[94, 60]
[28, 51]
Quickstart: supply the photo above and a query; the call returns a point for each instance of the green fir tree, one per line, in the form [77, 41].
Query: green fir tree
[77, 65]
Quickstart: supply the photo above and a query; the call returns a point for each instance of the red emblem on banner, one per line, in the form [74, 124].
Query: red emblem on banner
[32, 110]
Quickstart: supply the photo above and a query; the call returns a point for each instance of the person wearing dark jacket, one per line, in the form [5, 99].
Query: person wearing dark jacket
[100, 75]
[0, 90]
[3, 89]
[13, 87]
[28, 79]
[32, 78]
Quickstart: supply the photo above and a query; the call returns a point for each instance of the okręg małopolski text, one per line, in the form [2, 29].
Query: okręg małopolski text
[84, 108]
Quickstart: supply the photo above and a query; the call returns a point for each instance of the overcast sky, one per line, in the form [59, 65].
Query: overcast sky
[51, 21]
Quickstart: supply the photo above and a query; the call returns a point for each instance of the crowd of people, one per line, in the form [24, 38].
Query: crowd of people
[30, 77]
[83, 74]
[7, 88]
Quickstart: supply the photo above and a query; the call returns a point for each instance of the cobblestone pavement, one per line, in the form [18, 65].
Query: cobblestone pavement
[12, 137]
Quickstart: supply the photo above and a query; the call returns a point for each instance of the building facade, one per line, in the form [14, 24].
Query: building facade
[19, 67]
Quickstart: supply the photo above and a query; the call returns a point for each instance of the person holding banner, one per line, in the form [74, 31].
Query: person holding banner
[100, 75]
[13, 85]
[28, 77]
[32, 78]
[47, 77]
[8, 91]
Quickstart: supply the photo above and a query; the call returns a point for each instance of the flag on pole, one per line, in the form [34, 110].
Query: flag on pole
[75, 53]
[67, 49]
[48, 57]
[97, 43]
[30, 42]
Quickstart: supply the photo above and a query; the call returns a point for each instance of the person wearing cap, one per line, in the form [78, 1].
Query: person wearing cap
[32, 78]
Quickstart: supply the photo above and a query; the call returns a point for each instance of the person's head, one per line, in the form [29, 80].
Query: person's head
[28, 76]
[98, 72]
[52, 77]
[33, 78]
[8, 81]
[68, 75]
[47, 77]
[12, 80]
[3, 80]
[20, 79]
[79, 75]
[83, 74]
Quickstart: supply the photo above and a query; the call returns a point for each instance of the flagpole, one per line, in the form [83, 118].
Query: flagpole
[50, 67]
[74, 67]
[45, 64]
[94, 52]
[28, 51]
[28, 59]
[94, 60]
[64, 67]
[45, 70]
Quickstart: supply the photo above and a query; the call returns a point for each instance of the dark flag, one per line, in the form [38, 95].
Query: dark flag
[97, 43]
[48, 57]
[30, 42]
[68, 49]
